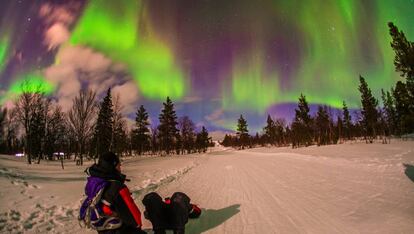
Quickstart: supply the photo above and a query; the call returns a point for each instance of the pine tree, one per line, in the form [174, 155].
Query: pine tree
[255, 140]
[302, 124]
[227, 141]
[404, 53]
[203, 140]
[154, 140]
[270, 131]
[332, 137]
[339, 128]
[280, 125]
[404, 117]
[141, 132]
[347, 126]
[167, 130]
[242, 132]
[404, 63]
[389, 112]
[289, 136]
[104, 125]
[322, 125]
[369, 110]
[120, 138]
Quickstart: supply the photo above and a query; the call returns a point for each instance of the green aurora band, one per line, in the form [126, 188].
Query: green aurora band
[31, 83]
[4, 45]
[335, 52]
[250, 86]
[120, 31]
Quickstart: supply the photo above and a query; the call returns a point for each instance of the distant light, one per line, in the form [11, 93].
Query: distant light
[19, 155]
[59, 153]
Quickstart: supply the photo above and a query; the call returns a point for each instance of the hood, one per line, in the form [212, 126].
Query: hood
[104, 173]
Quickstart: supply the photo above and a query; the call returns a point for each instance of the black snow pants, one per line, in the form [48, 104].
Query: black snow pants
[164, 216]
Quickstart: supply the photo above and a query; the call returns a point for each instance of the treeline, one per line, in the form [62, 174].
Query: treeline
[38, 127]
[394, 118]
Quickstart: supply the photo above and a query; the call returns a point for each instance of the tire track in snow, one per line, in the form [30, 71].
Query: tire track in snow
[153, 185]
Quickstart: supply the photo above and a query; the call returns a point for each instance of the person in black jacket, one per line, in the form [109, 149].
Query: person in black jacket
[116, 197]
[170, 214]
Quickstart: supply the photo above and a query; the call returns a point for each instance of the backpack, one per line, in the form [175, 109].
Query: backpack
[91, 213]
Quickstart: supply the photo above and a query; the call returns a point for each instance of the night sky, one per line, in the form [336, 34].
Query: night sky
[216, 59]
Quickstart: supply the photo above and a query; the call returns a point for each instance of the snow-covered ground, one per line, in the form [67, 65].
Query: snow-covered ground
[348, 188]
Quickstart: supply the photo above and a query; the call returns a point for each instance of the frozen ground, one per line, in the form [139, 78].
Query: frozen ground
[348, 188]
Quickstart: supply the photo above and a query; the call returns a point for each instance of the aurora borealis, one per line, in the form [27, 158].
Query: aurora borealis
[215, 59]
[116, 32]
[3, 51]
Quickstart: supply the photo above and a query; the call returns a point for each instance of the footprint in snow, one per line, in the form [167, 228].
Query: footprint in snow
[14, 215]
[33, 186]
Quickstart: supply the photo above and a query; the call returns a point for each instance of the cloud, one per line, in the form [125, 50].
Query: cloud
[58, 19]
[200, 124]
[57, 13]
[101, 86]
[216, 115]
[191, 99]
[56, 35]
[80, 67]
[128, 95]
[66, 81]
[85, 59]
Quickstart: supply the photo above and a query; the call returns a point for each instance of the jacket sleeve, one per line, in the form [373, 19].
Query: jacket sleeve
[126, 208]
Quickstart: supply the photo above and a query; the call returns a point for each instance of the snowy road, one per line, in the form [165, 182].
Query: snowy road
[259, 192]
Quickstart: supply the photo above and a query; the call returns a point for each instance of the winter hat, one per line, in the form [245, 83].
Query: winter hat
[108, 160]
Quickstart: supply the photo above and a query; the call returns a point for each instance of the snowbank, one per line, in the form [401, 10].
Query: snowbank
[43, 198]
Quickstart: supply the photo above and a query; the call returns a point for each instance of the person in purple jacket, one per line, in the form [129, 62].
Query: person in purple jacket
[109, 207]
